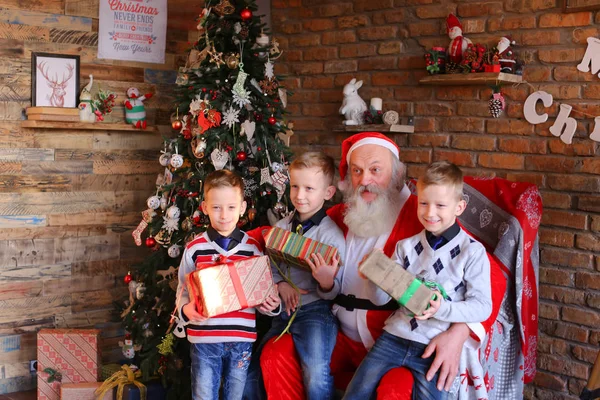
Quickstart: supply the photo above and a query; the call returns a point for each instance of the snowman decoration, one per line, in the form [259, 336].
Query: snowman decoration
[128, 348]
[458, 43]
[135, 113]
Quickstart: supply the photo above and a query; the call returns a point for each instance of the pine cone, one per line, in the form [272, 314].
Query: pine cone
[495, 107]
[454, 68]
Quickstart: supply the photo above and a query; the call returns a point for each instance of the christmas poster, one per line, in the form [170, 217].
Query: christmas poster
[133, 30]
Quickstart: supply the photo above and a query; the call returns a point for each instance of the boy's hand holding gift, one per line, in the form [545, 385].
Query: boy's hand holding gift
[434, 306]
[323, 272]
[271, 303]
[190, 310]
[290, 296]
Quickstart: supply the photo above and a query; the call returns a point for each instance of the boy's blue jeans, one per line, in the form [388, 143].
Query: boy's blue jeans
[390, 352]
[314, 332]
[211, 361]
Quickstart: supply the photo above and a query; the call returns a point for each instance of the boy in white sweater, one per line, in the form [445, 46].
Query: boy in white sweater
[443, 255]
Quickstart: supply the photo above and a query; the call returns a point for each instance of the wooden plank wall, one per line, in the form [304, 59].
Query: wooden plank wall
[69, 200]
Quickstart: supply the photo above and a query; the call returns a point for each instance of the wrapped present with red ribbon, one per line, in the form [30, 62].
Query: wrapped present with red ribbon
[403, 286]
[82, 391]
[294, 249]
[231, 286]
[66, 356]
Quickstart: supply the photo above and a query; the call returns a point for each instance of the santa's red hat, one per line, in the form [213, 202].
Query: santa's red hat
[452, 22]
[360, 139]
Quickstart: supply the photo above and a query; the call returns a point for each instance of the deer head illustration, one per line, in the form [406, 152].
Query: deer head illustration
[57, 97]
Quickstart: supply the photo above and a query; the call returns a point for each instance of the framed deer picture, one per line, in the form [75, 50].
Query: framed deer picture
[54, 80]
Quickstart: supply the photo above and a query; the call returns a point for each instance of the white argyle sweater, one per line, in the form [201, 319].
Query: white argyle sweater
[461, 267]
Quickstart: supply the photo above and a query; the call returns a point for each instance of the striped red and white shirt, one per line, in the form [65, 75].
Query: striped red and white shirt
[236, 326]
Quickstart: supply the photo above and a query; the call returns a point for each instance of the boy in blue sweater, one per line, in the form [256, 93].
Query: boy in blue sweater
[446, 256]
[314, 328]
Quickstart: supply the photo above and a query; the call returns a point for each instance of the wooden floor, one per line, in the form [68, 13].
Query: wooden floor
[30, 395]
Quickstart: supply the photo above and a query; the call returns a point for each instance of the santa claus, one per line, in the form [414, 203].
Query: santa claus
[378, 211]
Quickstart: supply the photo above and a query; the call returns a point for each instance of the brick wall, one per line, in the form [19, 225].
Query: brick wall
[382, 42]
[69, 199]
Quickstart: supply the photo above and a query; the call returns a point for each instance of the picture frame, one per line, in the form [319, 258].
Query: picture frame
[570, 6]
[54, 80]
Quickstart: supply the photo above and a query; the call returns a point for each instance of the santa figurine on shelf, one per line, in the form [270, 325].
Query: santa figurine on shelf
[458, 43]
[506, 54]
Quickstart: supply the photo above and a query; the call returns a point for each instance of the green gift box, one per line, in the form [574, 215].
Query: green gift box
[108, 370]
[293, 249]
[391, 277]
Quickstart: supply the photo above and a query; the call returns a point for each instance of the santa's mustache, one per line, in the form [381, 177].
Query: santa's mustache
[371, 188]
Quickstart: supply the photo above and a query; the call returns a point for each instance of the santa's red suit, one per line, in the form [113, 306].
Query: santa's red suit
[359, 327]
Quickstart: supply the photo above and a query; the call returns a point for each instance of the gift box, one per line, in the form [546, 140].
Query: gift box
[293, 249]
[82, 391]
[154, 391]
[409, 291]
[223, 288]
[108, 370]
[66, 356]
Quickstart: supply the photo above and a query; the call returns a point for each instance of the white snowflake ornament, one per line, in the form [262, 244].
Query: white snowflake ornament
[241, 101]
[230, 117]
[170, 224]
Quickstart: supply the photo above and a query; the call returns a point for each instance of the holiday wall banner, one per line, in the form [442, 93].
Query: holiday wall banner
[133, 30]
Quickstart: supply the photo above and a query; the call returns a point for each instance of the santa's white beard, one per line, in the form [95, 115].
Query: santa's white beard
[368, 219]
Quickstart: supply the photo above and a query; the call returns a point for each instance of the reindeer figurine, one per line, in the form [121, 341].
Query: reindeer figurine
[57, 97]
[353, 106]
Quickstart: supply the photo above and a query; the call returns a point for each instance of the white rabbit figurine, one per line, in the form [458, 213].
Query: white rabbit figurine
[353, 105]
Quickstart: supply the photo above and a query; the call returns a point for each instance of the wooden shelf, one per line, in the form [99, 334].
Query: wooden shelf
[477, 78]
[84, 126]
[375, 128]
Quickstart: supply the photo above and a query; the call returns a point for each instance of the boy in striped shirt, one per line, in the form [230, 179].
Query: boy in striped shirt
[221, 345]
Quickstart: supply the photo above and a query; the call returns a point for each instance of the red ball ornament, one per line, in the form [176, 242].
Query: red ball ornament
[176, 125]
[272, 120]
[150, 242]
[258, 117]
[246, 14]
[127, 278]
[241, 155]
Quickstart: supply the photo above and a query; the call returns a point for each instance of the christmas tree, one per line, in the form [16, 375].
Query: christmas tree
[229, 114]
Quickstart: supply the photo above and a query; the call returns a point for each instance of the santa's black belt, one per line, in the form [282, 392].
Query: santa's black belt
[351, 302]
